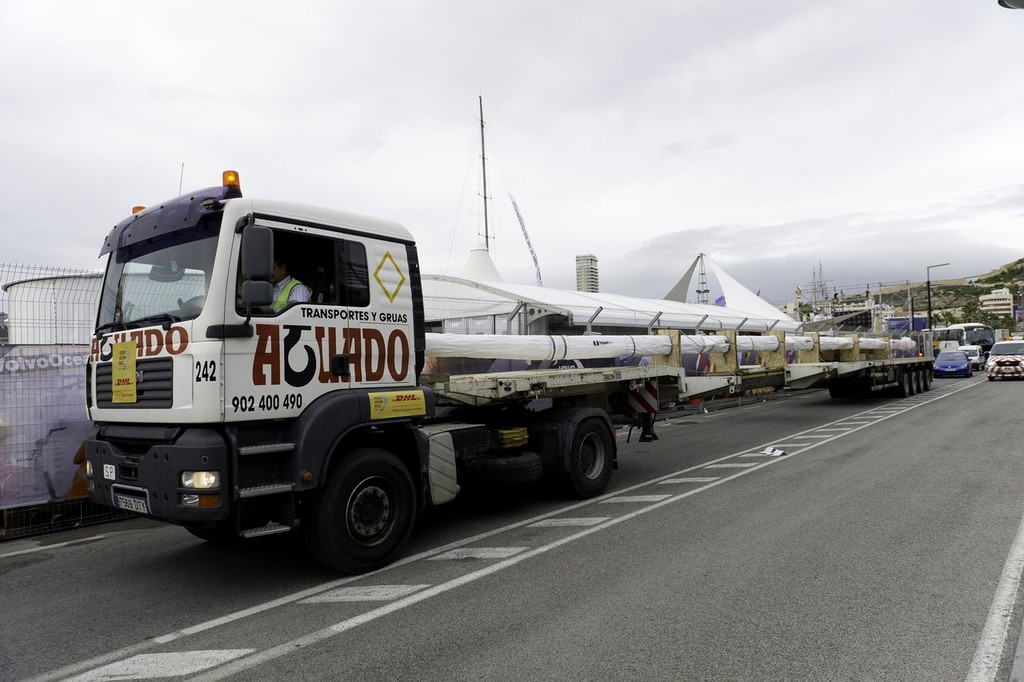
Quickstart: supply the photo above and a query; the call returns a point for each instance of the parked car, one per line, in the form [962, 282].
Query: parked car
[1005, 361]
[952, 363]
[976, 355]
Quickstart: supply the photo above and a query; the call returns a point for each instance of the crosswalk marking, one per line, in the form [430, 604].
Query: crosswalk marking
[365, 593]
[479, 553]
[576, 521]
[635, 498]
[690, 479]
[153, 666]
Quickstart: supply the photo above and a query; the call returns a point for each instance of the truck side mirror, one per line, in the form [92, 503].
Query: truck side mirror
[257, 252]
[257, 264]
[257, 294]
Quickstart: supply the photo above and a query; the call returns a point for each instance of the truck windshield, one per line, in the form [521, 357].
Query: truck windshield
[148, 284]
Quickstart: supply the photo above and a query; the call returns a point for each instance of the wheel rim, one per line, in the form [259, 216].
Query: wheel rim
[370, 512]
[592, 456]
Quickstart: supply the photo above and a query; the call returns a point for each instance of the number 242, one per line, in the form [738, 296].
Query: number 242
[206, 370]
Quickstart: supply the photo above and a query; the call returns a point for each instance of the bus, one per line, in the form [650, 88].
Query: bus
[967, 334]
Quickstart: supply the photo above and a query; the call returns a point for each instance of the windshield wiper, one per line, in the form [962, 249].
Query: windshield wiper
[165, 320]
[109, 325]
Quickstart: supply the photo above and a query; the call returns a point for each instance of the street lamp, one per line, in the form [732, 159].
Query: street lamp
[928, 271]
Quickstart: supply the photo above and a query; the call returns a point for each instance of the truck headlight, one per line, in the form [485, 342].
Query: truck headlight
[201, 480]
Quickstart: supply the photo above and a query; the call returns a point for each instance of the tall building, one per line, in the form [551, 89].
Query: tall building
[586, 273]
[999, 302]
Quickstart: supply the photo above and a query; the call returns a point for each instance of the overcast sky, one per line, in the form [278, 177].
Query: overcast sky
[871, 138]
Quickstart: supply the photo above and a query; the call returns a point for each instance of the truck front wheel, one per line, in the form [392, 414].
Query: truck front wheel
[364, 515]
[590, 459]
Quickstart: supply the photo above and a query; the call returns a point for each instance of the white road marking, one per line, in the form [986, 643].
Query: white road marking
[731, 465]
[990, 648]
[152, 666]
[365, 593]
[569, 522]
[479, 553]
[626, 499]
[691, 479]
[43, 548]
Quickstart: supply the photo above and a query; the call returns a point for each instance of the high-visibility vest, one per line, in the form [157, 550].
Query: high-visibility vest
[282, 298]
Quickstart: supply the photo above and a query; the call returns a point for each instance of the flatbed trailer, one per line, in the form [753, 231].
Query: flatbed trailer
[847, 372]
[228, 407]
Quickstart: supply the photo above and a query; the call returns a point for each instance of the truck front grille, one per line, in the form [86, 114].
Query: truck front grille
[154, 385]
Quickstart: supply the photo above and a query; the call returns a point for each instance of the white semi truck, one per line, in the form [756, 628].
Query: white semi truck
[218, 413]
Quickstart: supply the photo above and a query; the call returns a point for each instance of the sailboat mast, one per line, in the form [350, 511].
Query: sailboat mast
[483, 164]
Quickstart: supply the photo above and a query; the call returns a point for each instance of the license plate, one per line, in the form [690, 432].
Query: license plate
[131, 504]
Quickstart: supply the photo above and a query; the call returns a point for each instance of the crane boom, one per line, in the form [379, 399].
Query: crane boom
[526, 235]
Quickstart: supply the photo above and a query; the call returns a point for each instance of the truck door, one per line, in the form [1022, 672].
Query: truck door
[376, 280]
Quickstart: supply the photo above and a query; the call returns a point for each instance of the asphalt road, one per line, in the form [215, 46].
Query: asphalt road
[883, 545]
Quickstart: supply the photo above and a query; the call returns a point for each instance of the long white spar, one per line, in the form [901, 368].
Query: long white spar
[551, 348]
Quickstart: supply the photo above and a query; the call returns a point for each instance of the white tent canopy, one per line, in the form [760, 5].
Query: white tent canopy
[738, 298]
[584, 309]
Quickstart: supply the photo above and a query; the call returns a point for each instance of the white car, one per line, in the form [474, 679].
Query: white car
[1006, 361]
[976, 354]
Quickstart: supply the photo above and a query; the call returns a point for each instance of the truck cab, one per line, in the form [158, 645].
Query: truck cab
[217, 412]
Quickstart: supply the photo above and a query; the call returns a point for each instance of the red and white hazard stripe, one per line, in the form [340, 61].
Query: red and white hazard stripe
[645, 399]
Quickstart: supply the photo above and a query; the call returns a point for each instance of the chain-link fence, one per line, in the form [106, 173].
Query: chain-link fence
[46, 318]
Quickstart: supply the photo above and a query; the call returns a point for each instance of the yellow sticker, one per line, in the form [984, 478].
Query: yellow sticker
[389, 404]
[123, 372]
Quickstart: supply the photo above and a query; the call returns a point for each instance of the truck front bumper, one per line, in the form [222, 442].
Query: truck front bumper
[139, 469]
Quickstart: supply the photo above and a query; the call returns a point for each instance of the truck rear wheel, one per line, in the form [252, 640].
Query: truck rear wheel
[364, 515]
[590, 459]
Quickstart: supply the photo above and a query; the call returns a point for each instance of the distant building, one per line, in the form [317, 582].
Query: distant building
[999, 303]
[586, 273]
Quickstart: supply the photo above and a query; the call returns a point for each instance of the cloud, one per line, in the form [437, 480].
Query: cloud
[873, 138]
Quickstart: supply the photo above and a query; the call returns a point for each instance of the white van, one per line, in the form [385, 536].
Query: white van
[976, 355]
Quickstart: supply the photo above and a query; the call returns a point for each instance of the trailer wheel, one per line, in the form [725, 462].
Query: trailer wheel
[926, 379]
[915, 382]
[835, 390]
[520, 470]
[364, 515]
[590, 459]
[903, 390]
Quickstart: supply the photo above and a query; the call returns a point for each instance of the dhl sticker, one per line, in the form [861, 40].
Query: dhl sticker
[391, 404]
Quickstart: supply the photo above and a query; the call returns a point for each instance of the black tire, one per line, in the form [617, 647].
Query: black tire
[926, 379]
[836, 391]
[915, 382]
[523, 469]
[991, 378]
[364, 515]
[590, 459]
[903, 390]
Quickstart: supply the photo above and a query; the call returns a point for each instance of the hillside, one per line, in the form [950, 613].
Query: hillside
[956, 300]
